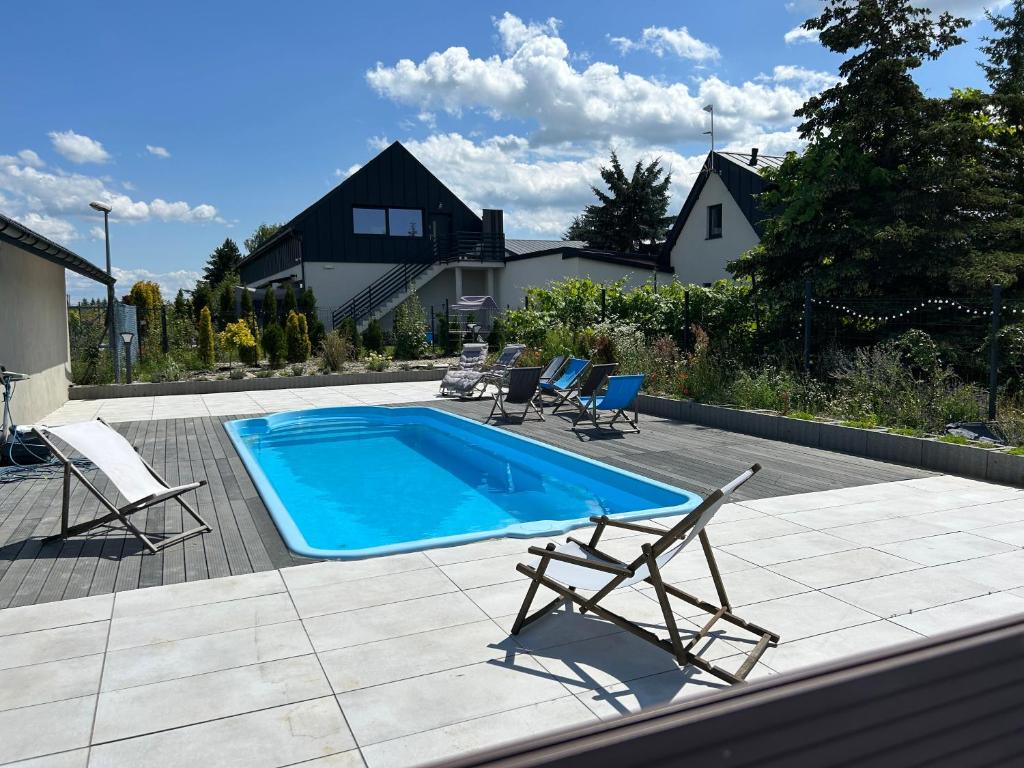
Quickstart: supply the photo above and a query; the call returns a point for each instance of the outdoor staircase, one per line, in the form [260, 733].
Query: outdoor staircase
[385, 293]
[391, 289]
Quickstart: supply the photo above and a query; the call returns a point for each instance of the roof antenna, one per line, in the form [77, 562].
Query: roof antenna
[710, 109]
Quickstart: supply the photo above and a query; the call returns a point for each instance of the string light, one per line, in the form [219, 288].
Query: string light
[934, 304]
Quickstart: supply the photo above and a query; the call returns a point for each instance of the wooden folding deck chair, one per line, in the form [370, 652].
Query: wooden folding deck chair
[596, 377]
[572, 566]
[567, 382]
[131, 474]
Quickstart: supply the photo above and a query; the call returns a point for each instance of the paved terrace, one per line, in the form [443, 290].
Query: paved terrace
[397, 660]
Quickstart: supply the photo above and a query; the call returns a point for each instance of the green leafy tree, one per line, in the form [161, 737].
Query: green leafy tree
[631, 215]
[859, 211]
[410, 329]
[223, 261]
[145, 297]
[245, 303]
[202, 297]
[297, 342]
[274, 344]
[180, 304]
[226, 306]
[373, 337]
[288, 303]
[260, 235]
[269, 306]
[206, 351]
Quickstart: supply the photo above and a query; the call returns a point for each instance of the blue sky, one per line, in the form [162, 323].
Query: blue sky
[198, 121]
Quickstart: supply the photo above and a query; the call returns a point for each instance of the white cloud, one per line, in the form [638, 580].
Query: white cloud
[807, 78]
[662, 40]
[160, 152]
[59, 230]
[78, 148]
[801, 35]
[79, 287]
[534, 81]
[59, 193]
[28, 157]
[97, 233]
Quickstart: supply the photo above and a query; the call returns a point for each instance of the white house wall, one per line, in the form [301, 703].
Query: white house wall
[34, 332]
[540, 271]
[699, 260]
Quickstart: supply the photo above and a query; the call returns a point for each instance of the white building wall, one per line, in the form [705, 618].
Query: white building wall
[34, 332]
[699, 260]
[539, 272]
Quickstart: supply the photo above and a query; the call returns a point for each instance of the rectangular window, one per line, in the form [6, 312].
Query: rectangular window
[714, 221]
[405, 222]
[369, 221]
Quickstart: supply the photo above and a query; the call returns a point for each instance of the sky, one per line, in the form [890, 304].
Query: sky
[198, 121]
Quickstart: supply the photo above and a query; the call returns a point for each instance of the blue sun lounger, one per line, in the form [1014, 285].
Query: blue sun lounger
[567, 382]
[622, 391]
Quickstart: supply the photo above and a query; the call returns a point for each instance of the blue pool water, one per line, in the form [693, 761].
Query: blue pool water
[362, 481]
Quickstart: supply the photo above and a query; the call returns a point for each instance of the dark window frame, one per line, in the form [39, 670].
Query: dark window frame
[713, 234]
[420, 211]
[383, 208]
[387, 220]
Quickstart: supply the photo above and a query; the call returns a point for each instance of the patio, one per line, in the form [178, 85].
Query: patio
[405, 659]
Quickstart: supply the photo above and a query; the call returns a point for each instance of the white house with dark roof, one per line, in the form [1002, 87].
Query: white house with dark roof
[34, 316]
[720, 219]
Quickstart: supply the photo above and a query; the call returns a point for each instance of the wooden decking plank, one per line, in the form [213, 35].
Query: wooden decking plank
[229, 535]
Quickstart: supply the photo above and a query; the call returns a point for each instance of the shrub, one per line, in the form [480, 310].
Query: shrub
[297, 346]
[348, 330]
[496, 338]
[269, 306]
[410, 322]
[237, 336]
[377, 361]
[336, 348]
[206, 337]
[288, 303]
[373, 338]
[274, 344]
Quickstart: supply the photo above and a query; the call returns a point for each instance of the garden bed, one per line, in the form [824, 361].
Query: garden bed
[205, 387]
[983, 463]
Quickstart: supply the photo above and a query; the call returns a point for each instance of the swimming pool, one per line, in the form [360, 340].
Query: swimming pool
[361, 481]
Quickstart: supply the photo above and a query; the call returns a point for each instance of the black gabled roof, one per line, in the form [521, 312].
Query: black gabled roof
[570, 249]
[18, 234]
[741, 178]
[294, 226]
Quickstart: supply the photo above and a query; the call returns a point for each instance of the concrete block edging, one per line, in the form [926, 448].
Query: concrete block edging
[101, 391]
[988, 464]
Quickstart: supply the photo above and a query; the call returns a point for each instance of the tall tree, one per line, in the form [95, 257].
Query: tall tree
[260, 235]
[630, 216]
[859, 211]
[222, 262]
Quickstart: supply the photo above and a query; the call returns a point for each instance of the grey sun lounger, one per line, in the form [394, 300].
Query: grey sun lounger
[567, 568]
[470, 361]
[133, 477]
[473, 383]
[521, 391]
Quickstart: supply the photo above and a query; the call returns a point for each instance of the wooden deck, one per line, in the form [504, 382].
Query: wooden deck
[244, 539]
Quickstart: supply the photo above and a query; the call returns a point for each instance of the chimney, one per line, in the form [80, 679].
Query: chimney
[753, 156]
[493, 221]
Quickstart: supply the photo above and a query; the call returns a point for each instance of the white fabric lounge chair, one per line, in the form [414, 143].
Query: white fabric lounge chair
[470, 364]
[566, 568]
[134, 478]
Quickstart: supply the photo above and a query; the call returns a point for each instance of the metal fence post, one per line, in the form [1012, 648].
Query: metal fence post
[808, 302]
[686, 321]
[604, 303]
[165, 343]
[993, 352]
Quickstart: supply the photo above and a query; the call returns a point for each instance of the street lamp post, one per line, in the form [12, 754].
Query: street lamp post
[710, 109]
[112, 342]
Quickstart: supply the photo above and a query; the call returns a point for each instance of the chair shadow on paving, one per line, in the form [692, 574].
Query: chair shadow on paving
[105, 542]
[603, 664]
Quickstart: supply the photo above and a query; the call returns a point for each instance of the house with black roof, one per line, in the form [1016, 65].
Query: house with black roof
[393, 225]
[720, 219]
